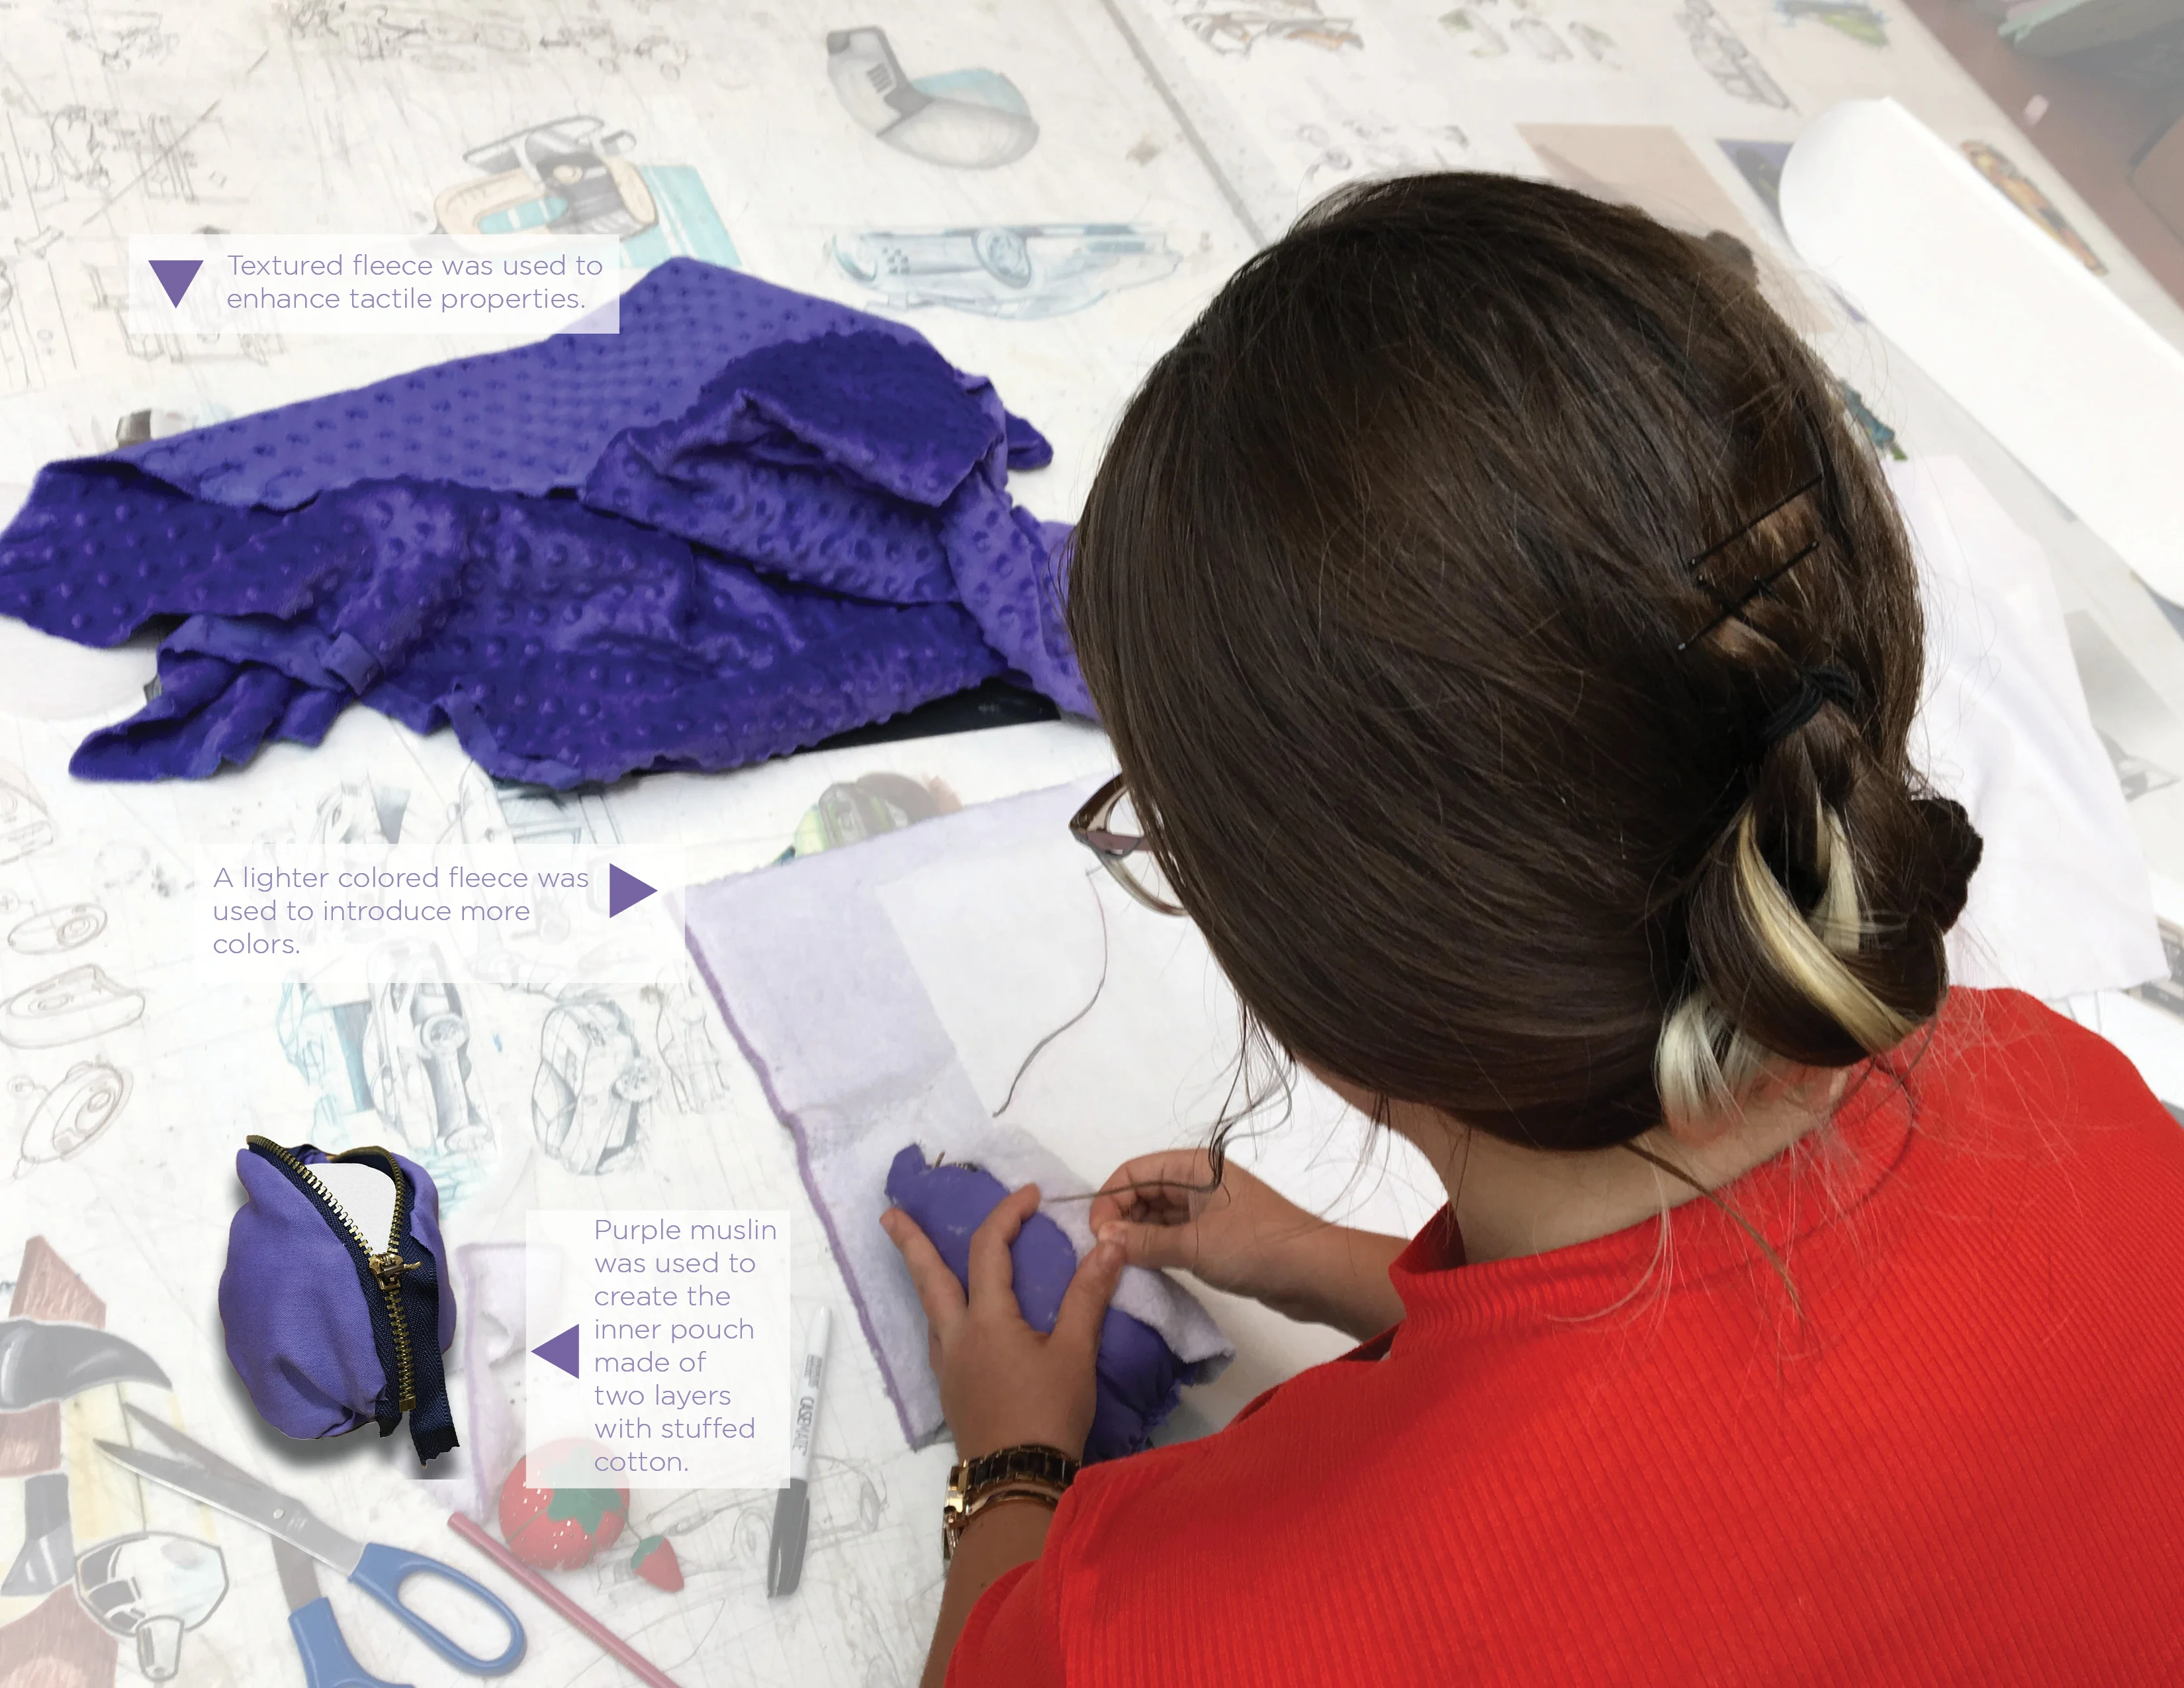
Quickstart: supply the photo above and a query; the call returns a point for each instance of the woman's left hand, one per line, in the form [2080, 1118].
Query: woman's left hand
[1001, 1382]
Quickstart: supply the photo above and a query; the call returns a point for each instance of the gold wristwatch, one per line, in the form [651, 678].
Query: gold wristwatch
[1028, 1471]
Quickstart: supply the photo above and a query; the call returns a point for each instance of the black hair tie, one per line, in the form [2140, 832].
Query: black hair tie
[1816, 689]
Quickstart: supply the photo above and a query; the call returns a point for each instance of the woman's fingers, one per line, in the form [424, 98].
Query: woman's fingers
[1151, 1189]
[1113, 1205]
[1084, 1302]
[937, 1291]
[993, 1274]
[1156, 1246]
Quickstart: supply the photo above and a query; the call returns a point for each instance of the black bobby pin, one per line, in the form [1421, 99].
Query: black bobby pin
[1776, 509]
[1758, 588]
[1758, 585]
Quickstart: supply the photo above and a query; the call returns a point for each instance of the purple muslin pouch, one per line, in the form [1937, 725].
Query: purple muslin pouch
[318, 1343]
[1139, 1379]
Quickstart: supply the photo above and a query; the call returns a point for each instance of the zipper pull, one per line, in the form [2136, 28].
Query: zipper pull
[389, 1268]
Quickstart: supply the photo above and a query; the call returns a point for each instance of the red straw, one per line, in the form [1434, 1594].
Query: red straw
[560, 1602]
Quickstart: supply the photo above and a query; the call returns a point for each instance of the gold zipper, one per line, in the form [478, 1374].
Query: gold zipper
[386, 1265]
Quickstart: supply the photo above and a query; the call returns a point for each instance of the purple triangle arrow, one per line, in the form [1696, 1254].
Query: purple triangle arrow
[624, 890]
[561, 1351]
[175, 275]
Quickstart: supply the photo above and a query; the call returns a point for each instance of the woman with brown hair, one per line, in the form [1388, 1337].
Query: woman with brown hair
[1511, 650]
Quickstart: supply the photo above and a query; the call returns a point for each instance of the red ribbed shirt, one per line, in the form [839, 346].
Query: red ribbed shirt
[1957, 1458]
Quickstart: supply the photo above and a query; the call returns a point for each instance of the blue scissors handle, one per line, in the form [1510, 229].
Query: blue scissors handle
[327, 1661]
[381, 1571]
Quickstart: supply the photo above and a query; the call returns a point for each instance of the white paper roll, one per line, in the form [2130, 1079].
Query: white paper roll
[2063, 374]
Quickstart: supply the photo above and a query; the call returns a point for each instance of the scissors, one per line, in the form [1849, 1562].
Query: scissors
[299, 1538]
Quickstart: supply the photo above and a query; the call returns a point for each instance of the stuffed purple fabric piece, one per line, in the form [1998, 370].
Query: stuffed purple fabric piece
[748, 521]
[299, 1323]
[1138, 1379]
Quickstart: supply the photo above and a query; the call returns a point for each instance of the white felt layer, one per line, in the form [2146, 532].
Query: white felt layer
[366, 1193]
[819, 990]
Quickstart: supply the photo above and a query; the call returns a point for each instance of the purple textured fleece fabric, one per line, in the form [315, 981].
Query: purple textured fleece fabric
[748, 521]
[298, 1331]
[1138, 1379]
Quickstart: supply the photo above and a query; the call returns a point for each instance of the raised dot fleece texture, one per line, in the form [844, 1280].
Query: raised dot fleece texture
[749, 521]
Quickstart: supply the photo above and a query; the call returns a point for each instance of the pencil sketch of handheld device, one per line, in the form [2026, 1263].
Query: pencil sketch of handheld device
[967, 119]
[592, 1096]
[1015, 272]
[414, 1046]
[572, 177]
[566, 178]
[70, 1116]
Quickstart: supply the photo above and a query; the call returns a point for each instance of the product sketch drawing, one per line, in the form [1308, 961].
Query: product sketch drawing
[967, 119]
[1599, 45]
[573, 176]
[597, 39]
[109, 295]
[849, 1504]
[324, 1042]
[70, 1116]
[683, 1032]
[67, 1008]
[1851, 18]
[547, 830]
[36, 348]
[1018, 273]
[415, 1052]
[1722, 54]
[83, 151]
[1237, 30]
[150, 1588]
[47, 1558]
[122, 40]
[25, 826]
[1344, 148]
[462, 40]
[1469, 26]
[591, 1096]
[1485, 28]
[68, 927]
[449, 38]
[851, 811]
[357, 825]
[2025, 194]
[488, 813]
[63, 169]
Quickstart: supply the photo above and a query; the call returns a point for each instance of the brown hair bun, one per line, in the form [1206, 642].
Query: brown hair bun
[1454, 593]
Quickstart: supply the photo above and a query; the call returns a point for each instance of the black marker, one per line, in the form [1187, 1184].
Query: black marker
[792, 1506]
